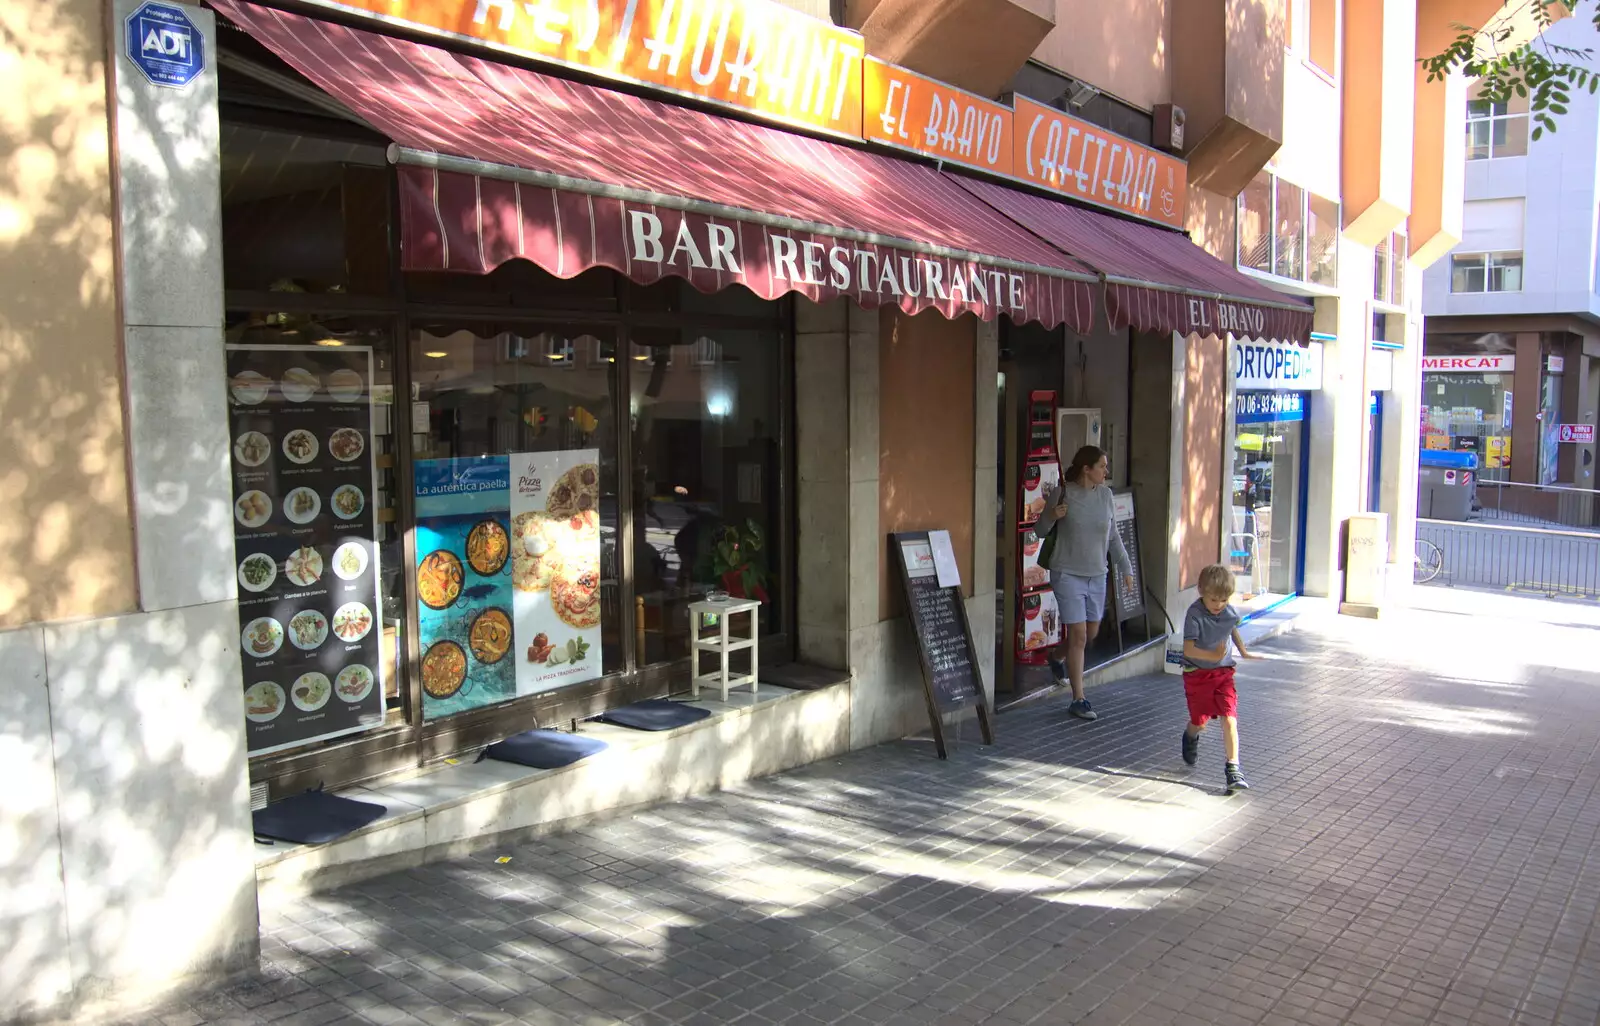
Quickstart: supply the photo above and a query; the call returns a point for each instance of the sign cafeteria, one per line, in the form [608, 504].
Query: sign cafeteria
[763, 58]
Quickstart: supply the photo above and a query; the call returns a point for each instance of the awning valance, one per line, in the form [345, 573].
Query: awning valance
[1156, 280]
[500, 162]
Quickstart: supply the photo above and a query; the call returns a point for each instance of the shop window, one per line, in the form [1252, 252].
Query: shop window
[1288, 232]
[516, 495]
[1486, 272]
[1470, 412]
[303, 213]
[1496, 128]
[706, 428]
[1263, 529]
[1389, 269]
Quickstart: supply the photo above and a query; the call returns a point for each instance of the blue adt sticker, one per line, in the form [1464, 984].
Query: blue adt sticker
[165, 45]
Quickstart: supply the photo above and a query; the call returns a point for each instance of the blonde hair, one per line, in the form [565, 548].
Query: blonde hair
[1216, 582]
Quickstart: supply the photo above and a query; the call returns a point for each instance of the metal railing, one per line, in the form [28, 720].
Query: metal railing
[1541, 561]
[1548, 506]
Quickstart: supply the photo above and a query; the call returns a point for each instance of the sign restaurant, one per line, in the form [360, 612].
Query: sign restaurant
[763, 58]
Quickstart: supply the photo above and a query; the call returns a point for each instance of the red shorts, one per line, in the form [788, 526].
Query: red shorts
[1210, 693]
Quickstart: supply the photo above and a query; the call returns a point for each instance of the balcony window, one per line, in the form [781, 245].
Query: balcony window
[1255, 224]
[1486, 272]
[1287, 232]
[1496, 128]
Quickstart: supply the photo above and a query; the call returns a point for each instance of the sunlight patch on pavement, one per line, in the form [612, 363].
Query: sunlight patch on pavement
[1449, 719]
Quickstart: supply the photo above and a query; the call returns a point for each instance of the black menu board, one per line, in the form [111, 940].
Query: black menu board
[1129, 601]
[304, 521]
[950, 674]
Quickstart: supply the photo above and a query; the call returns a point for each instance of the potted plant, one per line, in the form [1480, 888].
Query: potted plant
[738, 559]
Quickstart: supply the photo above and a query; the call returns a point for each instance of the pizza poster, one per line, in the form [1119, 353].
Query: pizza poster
[463, 584]
[304, 536]
[555, 573]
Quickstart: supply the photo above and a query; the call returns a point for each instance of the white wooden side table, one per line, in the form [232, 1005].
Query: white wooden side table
[724, 644]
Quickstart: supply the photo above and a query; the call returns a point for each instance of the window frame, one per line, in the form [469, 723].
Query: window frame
[1491, 119]
[1487, 265]
[1305, 282]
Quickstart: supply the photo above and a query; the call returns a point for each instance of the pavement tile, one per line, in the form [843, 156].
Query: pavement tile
[1416, 850]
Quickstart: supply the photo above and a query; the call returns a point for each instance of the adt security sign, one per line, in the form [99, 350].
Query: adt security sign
[165, 45]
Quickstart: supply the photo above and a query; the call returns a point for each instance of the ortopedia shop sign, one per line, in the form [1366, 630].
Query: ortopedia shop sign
[763, 58]
[1277, 366]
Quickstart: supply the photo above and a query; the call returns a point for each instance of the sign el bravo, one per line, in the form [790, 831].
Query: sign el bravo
[913, 112]
[756, 55]
[165, 45]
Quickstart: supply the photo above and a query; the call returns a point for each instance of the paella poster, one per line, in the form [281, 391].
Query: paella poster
[555, 567]
[463, 584]
[304, 524]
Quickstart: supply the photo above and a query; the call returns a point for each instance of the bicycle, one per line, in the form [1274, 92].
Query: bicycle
[1427, 561]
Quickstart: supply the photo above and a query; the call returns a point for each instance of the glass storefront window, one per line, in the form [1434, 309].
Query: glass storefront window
[1549, 427]
[1263, 529]
[303, 213]
[516, 481]
[1470, 412]
[706, 427]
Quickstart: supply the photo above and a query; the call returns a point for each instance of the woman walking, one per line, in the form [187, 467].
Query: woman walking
[1080, 513]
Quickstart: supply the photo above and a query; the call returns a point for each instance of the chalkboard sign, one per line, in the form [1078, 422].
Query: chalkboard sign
[950, 675]
[1129, 601]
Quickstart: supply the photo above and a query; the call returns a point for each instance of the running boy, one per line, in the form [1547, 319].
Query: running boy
[1208, 627]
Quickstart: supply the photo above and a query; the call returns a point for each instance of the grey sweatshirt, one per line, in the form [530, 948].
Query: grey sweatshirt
[1086, 535]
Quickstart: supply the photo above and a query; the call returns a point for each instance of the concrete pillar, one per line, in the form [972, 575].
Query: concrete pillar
[1397, 484]
[985, 497]
[1525, 408]
[1155, 457]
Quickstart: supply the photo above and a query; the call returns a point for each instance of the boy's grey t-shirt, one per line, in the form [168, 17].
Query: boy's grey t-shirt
[1086, 534]
[1208, 630]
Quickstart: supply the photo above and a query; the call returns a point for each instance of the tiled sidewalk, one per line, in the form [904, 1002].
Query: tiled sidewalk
[1420, 847]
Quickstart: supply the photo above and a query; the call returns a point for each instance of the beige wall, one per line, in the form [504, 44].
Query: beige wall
[65, 519]
[926, 420]
[1118, 48]
[1205, 391]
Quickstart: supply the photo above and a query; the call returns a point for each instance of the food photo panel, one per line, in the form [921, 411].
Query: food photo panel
[304, 530]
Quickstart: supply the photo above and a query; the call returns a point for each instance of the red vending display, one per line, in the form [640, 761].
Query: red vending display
[1038, 619]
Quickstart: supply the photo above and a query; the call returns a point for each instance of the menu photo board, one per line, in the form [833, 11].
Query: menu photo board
[463, 581]
[951, 679]
[508, 576]
[305, 529]
[1129, 601]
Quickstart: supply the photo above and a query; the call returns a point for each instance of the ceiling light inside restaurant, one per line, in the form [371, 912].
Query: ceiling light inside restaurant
[436, 354]
[330, 341]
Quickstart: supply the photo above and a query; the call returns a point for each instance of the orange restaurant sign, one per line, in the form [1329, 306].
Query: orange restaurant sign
[784, 66]
[1086, 163]
[755, 55]
[906, 110]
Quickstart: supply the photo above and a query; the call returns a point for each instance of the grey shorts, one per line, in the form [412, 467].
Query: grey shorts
[1082, 599]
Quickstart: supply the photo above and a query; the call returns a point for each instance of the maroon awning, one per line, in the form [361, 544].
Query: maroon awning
[499, 162]
[1156, 280]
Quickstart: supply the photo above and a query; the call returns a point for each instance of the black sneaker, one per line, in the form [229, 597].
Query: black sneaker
[1236, 780]
[1058, 669]
[1082, 710]
[1191, 748]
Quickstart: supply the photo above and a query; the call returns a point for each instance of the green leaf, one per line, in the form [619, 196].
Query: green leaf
[1556, 108]
[1537, 132]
